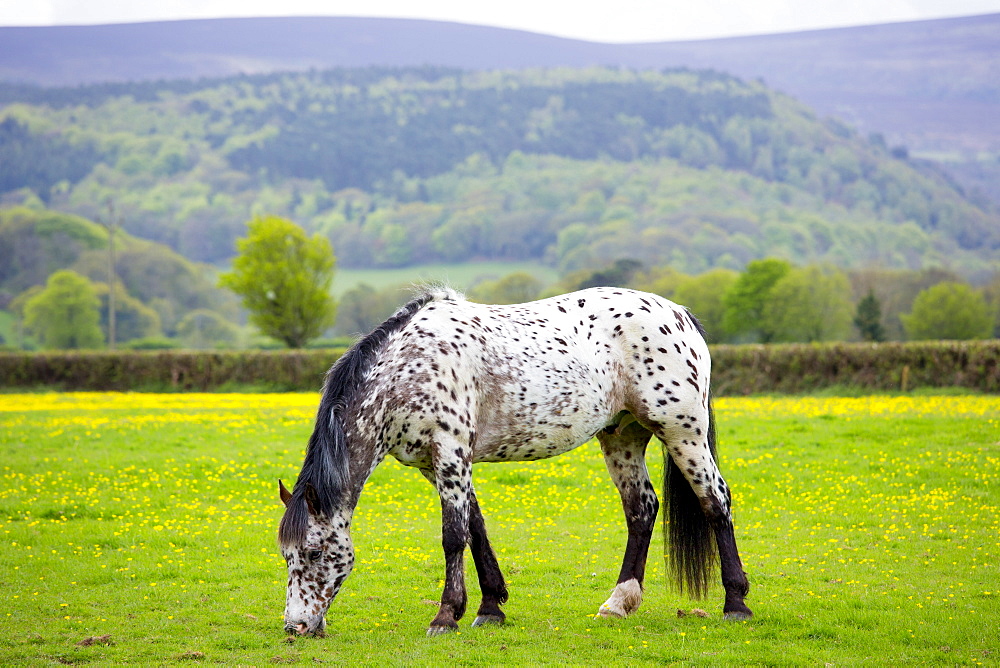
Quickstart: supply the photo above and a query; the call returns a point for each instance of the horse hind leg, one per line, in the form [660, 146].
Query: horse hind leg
[734, 579]
[700, 502]
[491, 581]
[624, 448]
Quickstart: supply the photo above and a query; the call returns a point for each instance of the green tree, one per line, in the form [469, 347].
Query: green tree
[868, 318]
[662, 280]
[461, 236]
[618, 274]
[992, 294]
[363, 308]
[896, 289]
[284, 279]
[703, 295]
[201, 329]
[949, 310]
[393, 249]
[133, 319]
[515, 288]
[808, 304]
[66, 313]
[747, 297]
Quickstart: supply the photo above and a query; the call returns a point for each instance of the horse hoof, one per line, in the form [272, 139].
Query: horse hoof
[487, 620]
[608, 613]
[433, 631]
[737, 615]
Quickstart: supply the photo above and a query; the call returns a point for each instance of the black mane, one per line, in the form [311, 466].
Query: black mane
[325, 473]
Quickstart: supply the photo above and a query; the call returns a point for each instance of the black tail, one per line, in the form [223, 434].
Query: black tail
[689, 538]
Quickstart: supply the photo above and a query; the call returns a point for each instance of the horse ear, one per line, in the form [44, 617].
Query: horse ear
[312, 498]
[283, 492]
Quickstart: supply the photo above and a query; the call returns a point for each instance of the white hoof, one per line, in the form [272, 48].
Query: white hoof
[624, 600]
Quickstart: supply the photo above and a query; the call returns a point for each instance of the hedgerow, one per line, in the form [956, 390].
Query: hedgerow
[794, 368]
[167, 370]
[737, 370]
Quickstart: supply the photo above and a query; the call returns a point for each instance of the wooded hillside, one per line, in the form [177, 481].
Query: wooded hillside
[158, 288]
[405, 166]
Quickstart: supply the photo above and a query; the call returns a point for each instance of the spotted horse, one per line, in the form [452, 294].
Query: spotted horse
[445, 383]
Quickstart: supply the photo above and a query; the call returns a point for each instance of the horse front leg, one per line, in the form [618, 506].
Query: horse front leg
[624, 449]
[491, 581]
[453, 480]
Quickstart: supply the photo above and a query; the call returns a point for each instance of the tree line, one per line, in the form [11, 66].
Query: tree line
[283, 277]
[770, 301]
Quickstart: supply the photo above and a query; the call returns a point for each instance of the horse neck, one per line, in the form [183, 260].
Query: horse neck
[340, 519]
[364, 457]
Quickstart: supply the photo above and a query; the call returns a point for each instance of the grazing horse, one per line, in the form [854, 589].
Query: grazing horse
[445, 383]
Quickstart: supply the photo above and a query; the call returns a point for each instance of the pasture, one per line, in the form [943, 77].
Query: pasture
[140, 528]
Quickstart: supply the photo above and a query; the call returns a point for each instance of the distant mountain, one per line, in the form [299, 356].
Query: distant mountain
[932, 85]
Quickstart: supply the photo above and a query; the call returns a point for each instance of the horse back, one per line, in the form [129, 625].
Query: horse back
[533, 380]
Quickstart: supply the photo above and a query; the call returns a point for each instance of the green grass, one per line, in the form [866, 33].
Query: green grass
[870, 529]
[459, 276]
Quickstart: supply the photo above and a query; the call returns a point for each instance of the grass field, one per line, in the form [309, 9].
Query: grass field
[140, 529]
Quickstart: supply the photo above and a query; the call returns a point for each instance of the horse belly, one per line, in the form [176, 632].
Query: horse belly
[530, 430]
[529, 443]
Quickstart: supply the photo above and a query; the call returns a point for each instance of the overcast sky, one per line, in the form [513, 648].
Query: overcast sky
[609, 21]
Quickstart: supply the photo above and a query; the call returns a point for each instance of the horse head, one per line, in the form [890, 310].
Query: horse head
[317, 548]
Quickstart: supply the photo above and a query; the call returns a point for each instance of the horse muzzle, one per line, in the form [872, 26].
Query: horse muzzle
[303, 628]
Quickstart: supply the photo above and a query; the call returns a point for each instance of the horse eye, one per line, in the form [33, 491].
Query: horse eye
[314, 555]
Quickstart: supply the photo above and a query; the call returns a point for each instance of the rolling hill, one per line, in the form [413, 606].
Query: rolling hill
[932, 85]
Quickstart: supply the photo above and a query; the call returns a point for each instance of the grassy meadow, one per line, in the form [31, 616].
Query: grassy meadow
[140, 529]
